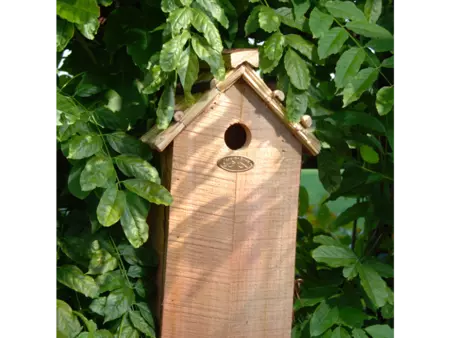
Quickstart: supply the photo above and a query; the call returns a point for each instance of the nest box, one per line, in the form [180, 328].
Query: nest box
[227, 243]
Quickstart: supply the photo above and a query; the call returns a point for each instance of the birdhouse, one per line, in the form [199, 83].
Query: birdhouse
[227, 243]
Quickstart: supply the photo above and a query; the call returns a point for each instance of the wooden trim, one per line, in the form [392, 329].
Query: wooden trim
[233, 58]
[231, 77]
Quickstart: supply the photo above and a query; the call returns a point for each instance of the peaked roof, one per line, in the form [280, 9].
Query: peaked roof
[160, 139]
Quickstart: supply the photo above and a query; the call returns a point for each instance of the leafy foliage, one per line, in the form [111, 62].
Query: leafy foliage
[128, 60]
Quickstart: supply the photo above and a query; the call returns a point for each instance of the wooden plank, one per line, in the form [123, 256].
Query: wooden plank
[233, 58]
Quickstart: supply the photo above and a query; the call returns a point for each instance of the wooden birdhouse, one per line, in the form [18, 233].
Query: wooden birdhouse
[227, 243]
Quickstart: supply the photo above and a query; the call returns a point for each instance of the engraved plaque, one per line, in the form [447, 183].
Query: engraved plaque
[236, 164]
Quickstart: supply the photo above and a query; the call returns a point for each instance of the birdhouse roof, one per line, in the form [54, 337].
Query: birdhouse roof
[242, 61]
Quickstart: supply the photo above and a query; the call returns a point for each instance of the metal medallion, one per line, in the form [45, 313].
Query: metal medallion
[235, 164]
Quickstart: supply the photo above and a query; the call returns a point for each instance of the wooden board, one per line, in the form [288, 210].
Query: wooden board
[231, 236]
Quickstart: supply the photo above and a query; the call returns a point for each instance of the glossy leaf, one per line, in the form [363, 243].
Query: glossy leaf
[215, 8]
[134, 220]
[252, 23]
[126, 329]
[296, 104]
[101, 260]
[67, 324]
[72, 277]
[373, 9]
[140, 324]
[351, 271]
[111, 206]
[64, 33]
[385, 100]
[380, 331]
[136, 271]
[369, 30]
[368, 154]
[265, 63]
[319, 23]
[362, 82]
[146, 314]
[326, 240]
[388, 63]
[356, 118]
[331, 42]
[152, 192]
[188, 69]
[110, 281]
[352, 317]
[359, 333]
[90, 324]
[373, 285]
[98, 306]
[387, 311]
[340, 332]
[348, 66]
[273, 47]
[141, 257]
[210, 56]
[180, 19]
[334, 256]
[118, 302]
[315, 295]
[168, 6]
[154, 80]
[323, 318]
[171, 51]
[297, 70]
[381, 45]
[204, 25]
[352, 213]
[268, 19]
[78, 11]
[125, 144]
[82, 146]
[166, 106]
[89, 28]
[67, 107]
[133, 166]
[304, 47]
[73, 183]
[300, 8]
[344, 10]
[98, 172]
[383, 269]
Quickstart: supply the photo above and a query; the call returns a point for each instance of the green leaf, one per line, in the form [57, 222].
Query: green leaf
[252, 23]
[331, 42]
[98, 306]
[356, 118]
[368, 154]
[64, 33]
[385, 100]
[380, 331]
[362, 81]
[89, 86]
[329, 170]
[323, 318]
[152, 192]
[350, 272]
[373, 9]
[168, 6]
[373, 285]
[105, 3]
[387, 311]
[319, 23]
[82, 146]
[334, 256]
[140, 289]
[166, 106]
[103, 334]
[74, 181]
[273, 47]
[359, 333]
[266, 65]
[369, 30]
[327, 240]
[340, 332]
[126, 329]
[111, 206]
[216, 10]
[98, 172]
[133, 166]
[268, 19]
[210, 56]
[296, 104]
[134, 220]
[352, 213]
[300, 8]
[153, 80]
[141, 257]
[303, 204]
[140, 324]
[101, 260]
[90, 324]
[67, 324]
[72, 277]
[110, 281]
[388, 63]
[188, 69]
[344, 10]
[107, 118]
[381, 45]
[304, 47]
[118, 302]
[297, 70]
[384, 270]
[171, 51]
[136, 271]
[146, 313]
[204, 25]
[352, 317]
[78, 11]
[180, 19]
[348, 66]
[89, 28]
[67, 107]
[313, 296]
[126, 144]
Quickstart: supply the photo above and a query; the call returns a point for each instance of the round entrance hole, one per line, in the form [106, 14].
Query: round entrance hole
[237, 136]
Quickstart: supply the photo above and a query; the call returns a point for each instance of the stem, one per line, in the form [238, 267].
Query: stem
[73, 77]
[359, 45]
[375, 172]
